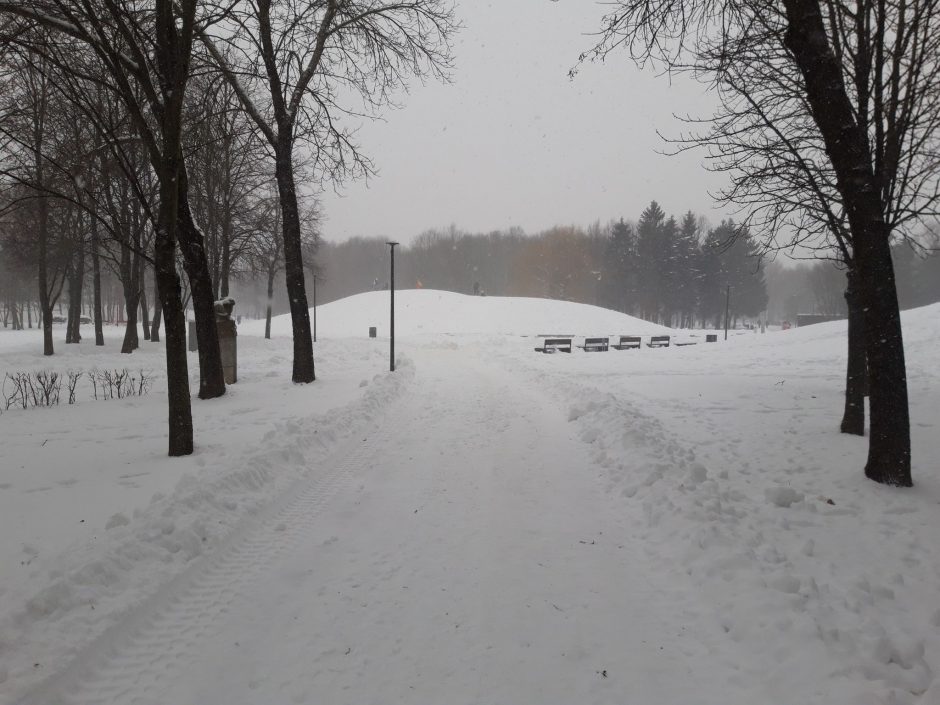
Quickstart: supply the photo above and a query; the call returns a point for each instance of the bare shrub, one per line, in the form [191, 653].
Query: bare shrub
[43, 388]
[72, 384]
[118, 384]
[25, 389]
[47, 387]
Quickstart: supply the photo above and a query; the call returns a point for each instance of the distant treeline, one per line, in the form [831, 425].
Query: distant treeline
[819, 287]
[659, 268]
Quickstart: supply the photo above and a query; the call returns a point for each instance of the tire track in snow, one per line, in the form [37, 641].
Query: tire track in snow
[155, 639]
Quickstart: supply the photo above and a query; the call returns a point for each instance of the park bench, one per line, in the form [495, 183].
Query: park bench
[553, 345]
[659, 341]
[628, 342]
[595, 345]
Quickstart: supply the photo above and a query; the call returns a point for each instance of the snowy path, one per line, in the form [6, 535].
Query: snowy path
[465, 551]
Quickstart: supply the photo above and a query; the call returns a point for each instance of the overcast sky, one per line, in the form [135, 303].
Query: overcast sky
[512, 141]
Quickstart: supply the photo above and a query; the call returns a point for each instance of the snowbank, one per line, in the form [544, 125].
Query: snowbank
[95, 517]
[729, 459]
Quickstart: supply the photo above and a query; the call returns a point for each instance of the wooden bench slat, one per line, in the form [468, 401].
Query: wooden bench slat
[628, 342]
[552, 345]
[595, 345]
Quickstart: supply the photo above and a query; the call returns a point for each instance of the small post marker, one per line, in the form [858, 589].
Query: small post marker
[391, 349]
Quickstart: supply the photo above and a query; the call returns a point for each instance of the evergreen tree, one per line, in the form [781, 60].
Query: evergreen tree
[671, 272]
[650, 254]
[687, 256]
[712, 278]
[730, 258]
[619, 271]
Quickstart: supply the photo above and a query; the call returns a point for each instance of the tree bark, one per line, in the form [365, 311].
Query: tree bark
[211, 377]
[144, 308]
[76, 284]
[168, 284]
[853, 419]
[131, 288]
[267, 315]
[157, 314]
[131, 340]
[45, 300]
[889, 450]
[226, 268]
[96, 283]
[293, 261]
[173, 73]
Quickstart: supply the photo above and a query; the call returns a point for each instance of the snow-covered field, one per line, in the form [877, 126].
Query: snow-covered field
[486, 525]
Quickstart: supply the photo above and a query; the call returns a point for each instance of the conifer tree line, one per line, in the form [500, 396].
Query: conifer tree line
[674, 272]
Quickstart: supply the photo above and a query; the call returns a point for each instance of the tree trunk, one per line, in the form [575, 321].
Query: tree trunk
[76, 284]
[45, 304]
[164, 251]
[131, 340]
[889, 450]
[96, 283]
[211, 377]
[293, 261]
[157, 311]
[177, 370]
[853, 420]
[131, 290]
[267, 316]
[226, 268]
[144, 309]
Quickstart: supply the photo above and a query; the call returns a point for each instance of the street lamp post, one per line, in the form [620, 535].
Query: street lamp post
[391, 350]
[314, 308]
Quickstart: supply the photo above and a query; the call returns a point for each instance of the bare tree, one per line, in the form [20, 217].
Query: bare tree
[763, 136]
[228, 162]
[145, 52]
[28, 136]
[809, 63]
[291, 63]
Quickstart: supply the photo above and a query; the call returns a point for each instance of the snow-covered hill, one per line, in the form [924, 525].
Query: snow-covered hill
[420, 312]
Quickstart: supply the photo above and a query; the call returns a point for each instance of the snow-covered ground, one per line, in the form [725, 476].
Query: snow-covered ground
[485, 525]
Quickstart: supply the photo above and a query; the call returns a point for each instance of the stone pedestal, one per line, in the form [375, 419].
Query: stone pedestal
[228, 348]
[225, 327]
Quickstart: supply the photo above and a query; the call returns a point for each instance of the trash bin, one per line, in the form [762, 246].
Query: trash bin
[372, 331]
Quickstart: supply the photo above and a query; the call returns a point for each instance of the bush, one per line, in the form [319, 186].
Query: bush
[43, 388]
